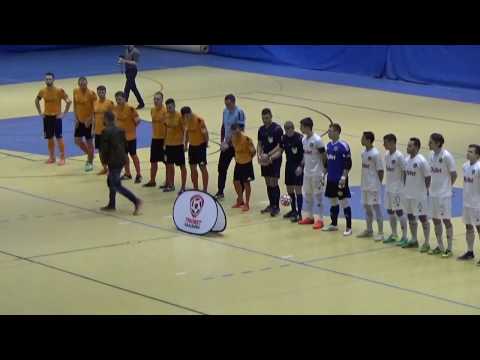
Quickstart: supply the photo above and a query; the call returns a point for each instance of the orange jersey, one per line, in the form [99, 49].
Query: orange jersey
[100, 108]
[243, 149]
[126, 116]
[159, 116]
[175, 129]
[194, 129]
[52, 97]
[83, 104]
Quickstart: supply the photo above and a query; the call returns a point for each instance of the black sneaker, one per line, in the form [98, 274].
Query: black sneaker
[126, 177]
[290, 214]
[150, 184]
[268, 209]
[107, 208]
[219, 196]
[162, 186]
[138, 179]
[275, 211]
[467, 256]
[295, 218]
[169, 189]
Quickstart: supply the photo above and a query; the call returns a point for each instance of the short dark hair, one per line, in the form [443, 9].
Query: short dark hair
[476, 147]
[370, 136]
[82, 78]
[120, 93]
[109, 116]
[186, 110]
[307, 122]
[266, 111]
[158, 93]
[416, 142]
[50, 74]
[101, 87]
[438, 139]
[390, 138]
[336, 127]
[230, 97]
[289, 124]
[235, 126]
[170, 101]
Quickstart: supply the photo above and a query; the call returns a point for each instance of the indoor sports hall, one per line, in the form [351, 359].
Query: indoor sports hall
[59, 254]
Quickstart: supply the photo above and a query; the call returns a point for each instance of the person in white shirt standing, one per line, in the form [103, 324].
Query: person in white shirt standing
[471, 198]
[371, 185]
[417, 183]
[395, 166]
[314, 158]
[444, 174]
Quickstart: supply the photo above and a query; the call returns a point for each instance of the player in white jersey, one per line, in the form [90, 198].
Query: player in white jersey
[444, 174]
[314, 157]
[371, 185]
[471, 198]
[417, 183]
[395, 180]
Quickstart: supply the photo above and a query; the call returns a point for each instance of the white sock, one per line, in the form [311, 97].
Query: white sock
[449, 237]
[379, 216]
[369, 218]
[403, 226]
[426, 232]
[413, 229]
[439, 234]
[393, 224]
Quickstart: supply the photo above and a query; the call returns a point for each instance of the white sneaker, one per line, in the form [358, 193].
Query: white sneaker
[379, 237]
[347, 232]
[330, 228]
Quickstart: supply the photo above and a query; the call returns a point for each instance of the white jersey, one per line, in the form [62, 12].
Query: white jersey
[311, 155]
[371, 163]
[471, 185]
[416, 169]
[395, 166]
[441, 165]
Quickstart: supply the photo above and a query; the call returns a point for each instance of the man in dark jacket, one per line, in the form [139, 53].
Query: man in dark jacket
[113, 154]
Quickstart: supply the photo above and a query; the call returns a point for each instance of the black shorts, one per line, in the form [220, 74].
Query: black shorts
[175, 155]
[52, 127]
[333, 191]
[197, 154]
[244, 172]
[157, 154]
[83, 131]
[98, 141]
[272, 170]
[291, 179]
[131, 147]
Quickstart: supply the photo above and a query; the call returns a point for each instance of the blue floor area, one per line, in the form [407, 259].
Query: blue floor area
[26, 135]
[27, 67]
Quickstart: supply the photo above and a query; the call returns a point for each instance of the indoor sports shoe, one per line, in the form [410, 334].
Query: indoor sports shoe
[168, 189]
[268, 209]
[379, 237]
[51, 161]
[107, 208]
[402, 242]
[410, 244]
[138, 179]
[467, 256]
[425, 248]
[348, 232]
[447, 254]
[238, 205]
[306, 221]
[289, 215]
[330, 228]
[245, 208]
[138, 207]
[88, 167]
[318, 225]
[274, 212]
[391, 239]
[162, 186]
[150, 184]
[295, 218]
[61, 162]
[219, 196]
[435, 251]
[126, 177]
[365, 234]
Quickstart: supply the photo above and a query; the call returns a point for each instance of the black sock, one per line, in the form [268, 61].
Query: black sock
[270, 195]
[276, 197]
[299, 203]
[293, 201]
[334, 211]
[348, 216]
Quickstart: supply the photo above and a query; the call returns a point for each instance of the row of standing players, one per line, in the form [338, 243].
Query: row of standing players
[415, 188]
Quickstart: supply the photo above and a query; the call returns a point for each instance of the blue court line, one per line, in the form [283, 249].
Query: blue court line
[252, 251]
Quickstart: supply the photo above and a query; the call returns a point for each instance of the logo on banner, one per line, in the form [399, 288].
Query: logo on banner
[196, 205]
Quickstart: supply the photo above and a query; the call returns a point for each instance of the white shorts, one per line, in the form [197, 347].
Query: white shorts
[312, 185]
[417, 207]
[393, 201]
[471, 216]
[441, 207]
[371, 198]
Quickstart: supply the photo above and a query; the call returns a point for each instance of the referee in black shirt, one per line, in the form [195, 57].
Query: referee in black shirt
[130, 59]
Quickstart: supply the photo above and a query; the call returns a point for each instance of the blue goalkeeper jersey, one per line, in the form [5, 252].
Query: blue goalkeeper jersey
[338, 154]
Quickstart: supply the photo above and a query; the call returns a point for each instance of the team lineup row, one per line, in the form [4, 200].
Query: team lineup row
[416, 187]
